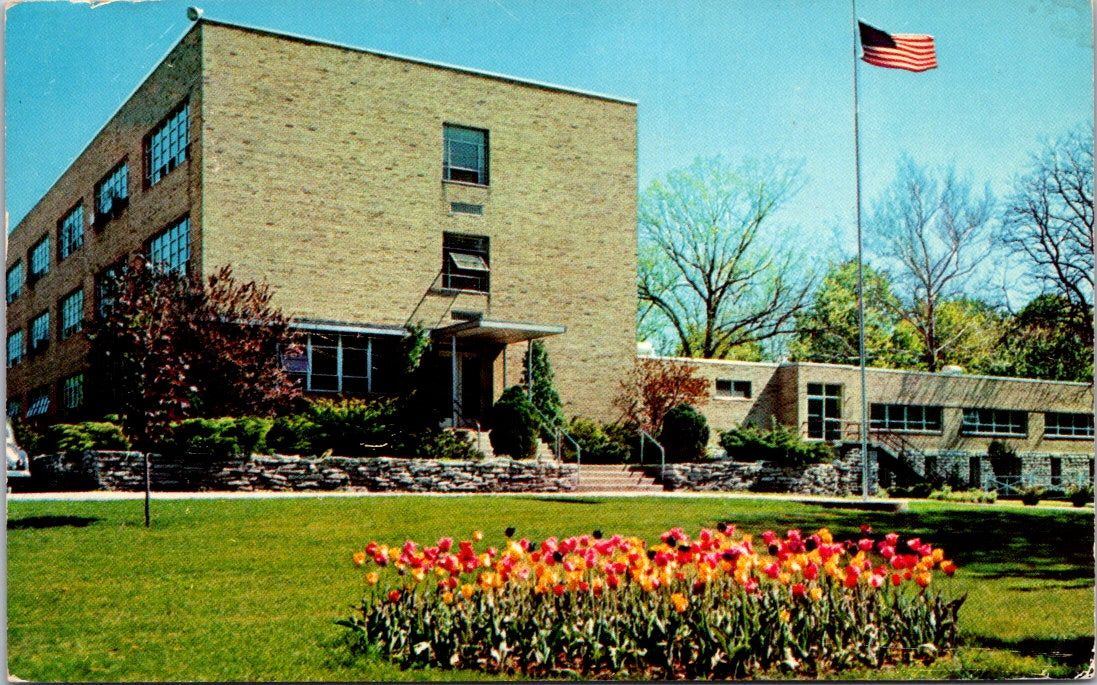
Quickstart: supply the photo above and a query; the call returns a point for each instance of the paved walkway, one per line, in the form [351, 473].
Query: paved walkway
[844, 502]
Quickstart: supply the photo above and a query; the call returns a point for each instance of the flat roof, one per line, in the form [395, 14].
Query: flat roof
[873, 369]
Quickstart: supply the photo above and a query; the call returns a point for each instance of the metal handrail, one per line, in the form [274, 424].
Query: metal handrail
[662, 452]
[557, 433]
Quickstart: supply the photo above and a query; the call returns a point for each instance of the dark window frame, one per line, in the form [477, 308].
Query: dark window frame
[164, 248]
[11, 293]
[40, 249]
[985, 422]
[70, 232]
[20, 348]
[459, 270]
[35, 343]
[1080, 425]
[906, 418]
[167, 145]
[455, 165]
[731, 389]
[112, 193]
[67, 326]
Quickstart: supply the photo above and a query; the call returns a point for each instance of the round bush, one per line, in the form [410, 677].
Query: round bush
[685, 434]
[514, 424]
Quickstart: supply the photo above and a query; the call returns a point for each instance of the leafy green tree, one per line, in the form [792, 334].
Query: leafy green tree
[715, 272]
[1044, 341]
[827, 330]
[545, 397]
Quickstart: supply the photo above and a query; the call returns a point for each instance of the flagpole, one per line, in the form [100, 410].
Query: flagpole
[860, 270]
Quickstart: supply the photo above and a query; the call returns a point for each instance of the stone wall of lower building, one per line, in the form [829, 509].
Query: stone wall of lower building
[125, 471]
[839, 477]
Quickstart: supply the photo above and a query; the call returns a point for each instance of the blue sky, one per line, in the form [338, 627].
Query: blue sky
[739, 78]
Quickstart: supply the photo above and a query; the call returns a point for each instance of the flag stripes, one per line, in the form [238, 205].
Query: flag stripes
[909, 51]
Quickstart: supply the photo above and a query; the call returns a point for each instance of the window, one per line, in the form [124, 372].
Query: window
[72, 394]
[166, 146]
[824, 411]
[995, 422]
[730, 388]
[70, 231]
[356, 364]
[40, 332]
[465, 262]
[1059, 424]
[40, 258]
[39, 402]
[170, 248]
[905, 417]
[72, 314]
[106, 288]
[15, 281]
[14, 407]
[112, 194]
[1056, 471]
[466, 155]
[15, 348]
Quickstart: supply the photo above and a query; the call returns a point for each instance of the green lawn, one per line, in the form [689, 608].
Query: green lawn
[249, 589]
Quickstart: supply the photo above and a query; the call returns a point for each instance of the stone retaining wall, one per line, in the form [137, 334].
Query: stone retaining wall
[840, 477]
[125, 471]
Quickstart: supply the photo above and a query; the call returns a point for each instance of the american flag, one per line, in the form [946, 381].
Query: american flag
[910, 51]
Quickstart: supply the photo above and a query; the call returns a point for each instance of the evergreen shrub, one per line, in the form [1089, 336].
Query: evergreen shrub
[601, 443]
[685, 434]
[780, 446]
[514, 424]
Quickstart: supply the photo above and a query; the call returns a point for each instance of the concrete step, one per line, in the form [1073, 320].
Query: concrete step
[614, 478]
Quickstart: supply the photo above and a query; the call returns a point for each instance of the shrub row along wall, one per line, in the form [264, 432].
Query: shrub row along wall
[126, 471]
[840, 477]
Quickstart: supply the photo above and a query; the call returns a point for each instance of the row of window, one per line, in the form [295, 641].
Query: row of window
[166, 147]
[169, 248]
[38, 402]
[978, 422]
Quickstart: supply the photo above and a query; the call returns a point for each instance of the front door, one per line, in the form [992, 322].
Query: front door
[463, 399]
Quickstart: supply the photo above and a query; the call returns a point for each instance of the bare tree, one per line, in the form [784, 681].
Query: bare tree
[1048, 223]
[932, 232]
[713, 275]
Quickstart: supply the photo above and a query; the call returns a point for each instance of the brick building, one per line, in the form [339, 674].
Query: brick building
[372, 192]
[941, 421]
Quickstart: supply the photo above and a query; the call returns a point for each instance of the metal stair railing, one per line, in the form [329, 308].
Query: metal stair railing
[663, 458]
[902, 449]
[557, 434]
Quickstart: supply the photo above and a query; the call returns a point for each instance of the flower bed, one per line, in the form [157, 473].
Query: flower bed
[721, 605]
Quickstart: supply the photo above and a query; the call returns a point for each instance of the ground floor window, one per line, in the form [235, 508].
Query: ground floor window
[73, 391]
[726, 387]
[346, 363]
[39, 402]
[1004, 422]
[905, 417]
[824, 411]
[1059, 424]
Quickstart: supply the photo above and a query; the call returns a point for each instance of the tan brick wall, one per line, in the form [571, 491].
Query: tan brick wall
[323, 175]
[781, 391]
[150, 210]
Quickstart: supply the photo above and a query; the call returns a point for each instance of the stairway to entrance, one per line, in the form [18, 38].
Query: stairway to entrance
[614, 478]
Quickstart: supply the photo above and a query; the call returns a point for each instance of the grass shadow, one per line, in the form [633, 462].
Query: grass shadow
[1073, 651]
[567, 500]
[39, 522]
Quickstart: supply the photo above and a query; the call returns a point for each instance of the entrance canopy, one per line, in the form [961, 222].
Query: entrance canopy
[495, 331]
